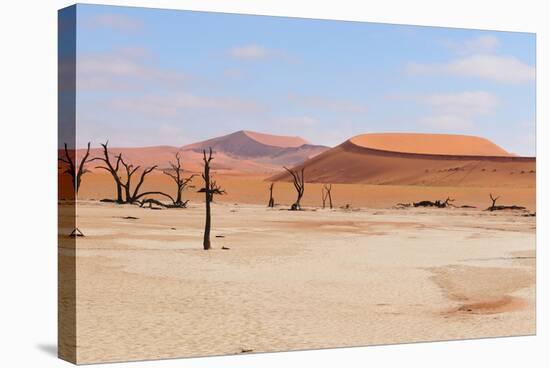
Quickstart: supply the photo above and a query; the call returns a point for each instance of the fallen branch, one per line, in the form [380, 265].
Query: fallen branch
[152, 201]
[493, 207]
[500, 208]
[438, 203]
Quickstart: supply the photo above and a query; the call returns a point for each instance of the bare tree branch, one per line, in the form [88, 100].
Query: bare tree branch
[177, 176]
[299, 185]
[76, 174]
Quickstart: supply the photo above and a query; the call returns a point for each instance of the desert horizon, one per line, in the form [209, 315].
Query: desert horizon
[371, 170]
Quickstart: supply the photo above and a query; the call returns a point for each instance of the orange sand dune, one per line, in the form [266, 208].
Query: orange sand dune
[436, 144]
[417, 159]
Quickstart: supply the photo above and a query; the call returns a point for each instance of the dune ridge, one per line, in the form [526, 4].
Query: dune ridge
[366, 161]
[433, 144]
[276, 140]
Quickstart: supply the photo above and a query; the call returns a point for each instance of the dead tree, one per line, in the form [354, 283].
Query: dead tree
[299, 185]
[130, 196]
[76, 173]
[326, 193]
[176, 173]
[210, 188]
[271, 203]
[493, 205]
[134, 196]
[438, 203]
[445, 203]
[112, 169]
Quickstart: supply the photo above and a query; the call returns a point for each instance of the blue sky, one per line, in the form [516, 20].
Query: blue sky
[165, 77]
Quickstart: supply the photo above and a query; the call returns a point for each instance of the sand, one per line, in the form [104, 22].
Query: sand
[253, 189]
[295, 280]
[432, 144]
[350, 163]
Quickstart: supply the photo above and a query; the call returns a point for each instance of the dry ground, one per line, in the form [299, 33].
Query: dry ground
[253, 189]
[295, 280]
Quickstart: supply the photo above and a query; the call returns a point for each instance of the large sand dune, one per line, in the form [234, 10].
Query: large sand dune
[239, 152]
[431, 144]
[418, 159]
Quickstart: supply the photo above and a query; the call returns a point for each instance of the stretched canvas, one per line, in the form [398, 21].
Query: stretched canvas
[234, 184]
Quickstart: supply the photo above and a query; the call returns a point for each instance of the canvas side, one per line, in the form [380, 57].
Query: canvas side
[67, 230]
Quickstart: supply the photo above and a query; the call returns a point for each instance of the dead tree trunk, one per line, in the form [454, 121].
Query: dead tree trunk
[493, 205]
[76, 173]
[271, 203]
[113, 170]
[176, 173]
[299, 185]
[130, 171]
[327, 189]
[210, 188]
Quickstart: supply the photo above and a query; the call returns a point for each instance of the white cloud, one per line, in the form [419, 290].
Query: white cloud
[250, 52]
[328, 104]
[456, 111]
[114, 21]
[301, 121]
[257, 52]
[485, 44]
[506, 69]
[123, 69]
[447, 122]
[174, 104]
[464, 103]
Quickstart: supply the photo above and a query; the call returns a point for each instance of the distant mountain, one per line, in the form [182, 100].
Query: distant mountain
[249, 144]
[239, 152]
[418, 159]
[271, 151]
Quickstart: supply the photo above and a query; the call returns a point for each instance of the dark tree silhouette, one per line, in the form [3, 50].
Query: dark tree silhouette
[176, 173]
[494, 200]
[129, 195]
[75, 172]
[130, 171]
[135, 195]
[210, 188]
[494, 207]
[112, 169]
[326, 193]
[271, 203]
[299, 185]
[438, 203]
